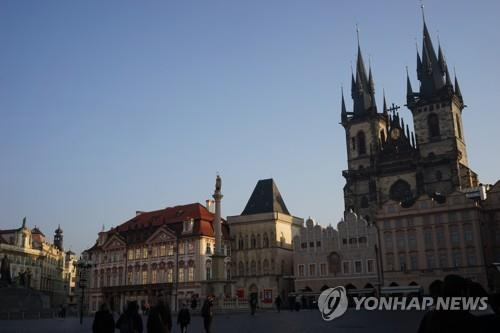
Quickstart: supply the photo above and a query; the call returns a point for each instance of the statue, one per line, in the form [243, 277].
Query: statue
[5, 270]
[218, 184]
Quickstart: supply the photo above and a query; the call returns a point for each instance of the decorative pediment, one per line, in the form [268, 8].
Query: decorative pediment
[162, 234]
[114, 242]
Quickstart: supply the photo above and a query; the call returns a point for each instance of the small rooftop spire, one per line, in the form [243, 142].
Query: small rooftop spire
[409, 90]
[457, 87]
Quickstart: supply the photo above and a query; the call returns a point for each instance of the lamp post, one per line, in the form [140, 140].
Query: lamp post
[83, 266]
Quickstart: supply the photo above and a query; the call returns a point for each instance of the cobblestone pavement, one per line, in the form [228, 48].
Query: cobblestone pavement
[306, 321]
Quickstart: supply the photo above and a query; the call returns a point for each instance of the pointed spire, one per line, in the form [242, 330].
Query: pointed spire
[457, 88]
[385, 103]
[441, 60]
[344, 110]
[24, 222]
[409, 90]
[371, 83]
[448, 77]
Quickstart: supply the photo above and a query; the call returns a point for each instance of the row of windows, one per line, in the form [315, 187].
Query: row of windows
[256, 242]
[438, 234]
[348, 267]
[429, 219]
[432, 261]
[259, 267]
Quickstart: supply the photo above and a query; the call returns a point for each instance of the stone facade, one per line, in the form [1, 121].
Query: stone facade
[329, 257]
[50, 269]
[262, 255]
[430, 240]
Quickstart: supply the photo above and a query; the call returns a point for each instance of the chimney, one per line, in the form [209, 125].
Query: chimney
[210, 205]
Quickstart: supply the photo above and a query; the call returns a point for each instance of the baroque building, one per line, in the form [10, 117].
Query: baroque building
[262, 253]
[167, 251]
[43, 266]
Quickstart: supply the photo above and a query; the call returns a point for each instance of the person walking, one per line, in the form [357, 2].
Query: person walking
[103, 320]
[207, 314]
[253, 304]
[184, 318]
[160, 318]
[130, 321]
[277, 301]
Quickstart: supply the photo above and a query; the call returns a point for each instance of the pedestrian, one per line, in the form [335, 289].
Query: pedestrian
[194, 303]
[130, 321]
[160, 318]
[103, 320]
[277, 301]
[184, 318]
[207, 313]
[253, 304]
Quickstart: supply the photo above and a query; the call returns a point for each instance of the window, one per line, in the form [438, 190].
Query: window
[431, 261]
[401, 242]
[433, 124]
[440, 237]
[170, 249]
[190, 247]
[144, 277]
[318, 243]
[162, 250]
[130, 254]
[361, 143]
[312, 269]
[370, 266]
[388, 241]
[346, 265]
[181, 274]
[253, 267]
[468, 234]
[387, 224]
[322, 269]
[471, 258]
[301, 270]
[190, 273]
[266, 241]
[208, 249]
[253, 242]
[311, 244]
[303, 245]
[390, 262]
[454, 236]
[145, 253]
[358, 268]
[402, 262]
[438, 218]
[137, 253]
[155, 251]
[412, 241]
[182, 248]
[353, 143]
[428, 238]
[154, 276]
[452, 217]
[413, 262]
[129, 277]
[457, 258]
[443, 260]
[241, 269]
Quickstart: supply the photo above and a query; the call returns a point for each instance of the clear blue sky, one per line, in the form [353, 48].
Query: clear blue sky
[108, 107]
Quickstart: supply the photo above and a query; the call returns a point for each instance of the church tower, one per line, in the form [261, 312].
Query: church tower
[437, 116]
[365, 131]
[58, 238]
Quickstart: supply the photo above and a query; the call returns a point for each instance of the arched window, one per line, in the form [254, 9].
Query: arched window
[259, 244]
[361, 143]
[253, 268]
[266, 241]
[246, 241]
[265, 267]
[241, 269]
[400, 191]
[382, 136]
[240, 242]
[459, 129]
[208, 269]
[253, 242]
[433, 124]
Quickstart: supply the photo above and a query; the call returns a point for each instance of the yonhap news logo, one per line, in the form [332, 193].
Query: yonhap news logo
[332, 303]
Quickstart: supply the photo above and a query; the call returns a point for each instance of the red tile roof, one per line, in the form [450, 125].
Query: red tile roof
[173, 218]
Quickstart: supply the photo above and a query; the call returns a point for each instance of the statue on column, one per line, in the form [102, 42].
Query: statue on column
[5, 270]
[218, 184]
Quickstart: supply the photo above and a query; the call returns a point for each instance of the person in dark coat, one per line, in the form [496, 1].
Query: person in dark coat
[277, 301]
[207, 313]
[103, 320]
[253, 304]
[160, 318]
[130, 321]
[184, 318]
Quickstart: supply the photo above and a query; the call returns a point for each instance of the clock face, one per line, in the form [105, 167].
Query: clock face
[395, 133]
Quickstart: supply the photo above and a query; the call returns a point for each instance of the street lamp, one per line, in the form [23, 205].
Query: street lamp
[83, 266]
